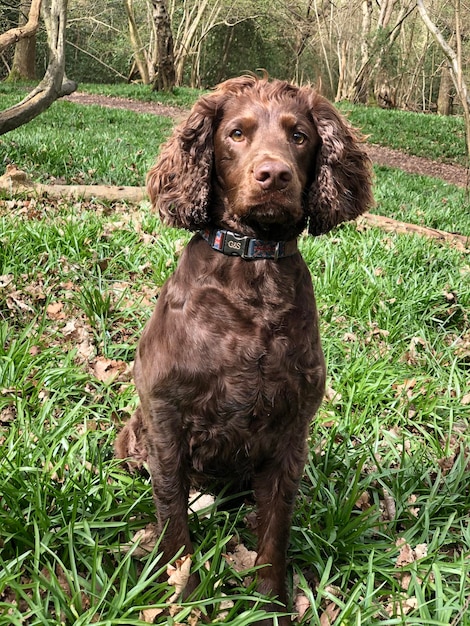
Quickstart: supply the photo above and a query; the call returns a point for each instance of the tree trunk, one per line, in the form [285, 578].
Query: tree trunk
[165, 76]
[445, 100]
[15, 34]
[137, 45]
[24, 61]
[54, 84]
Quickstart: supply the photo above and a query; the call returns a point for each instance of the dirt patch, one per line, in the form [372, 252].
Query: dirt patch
[111, 102]
[453, 174]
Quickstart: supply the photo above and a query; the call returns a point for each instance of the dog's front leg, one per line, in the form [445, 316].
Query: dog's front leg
[170, 484]
[275, 489]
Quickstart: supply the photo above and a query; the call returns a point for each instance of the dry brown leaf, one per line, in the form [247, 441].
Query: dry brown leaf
[413, 509]
[332, 396]
[330, 614]
[401, 608]
[146, 538]
[199, 502]
[241, 558]
[55, 311]
[7, 414]
[5, 280]
[406, 388]
[412, 355]
[178, 575]
[388, 506]
[106, 370]
[406, 554]
[194, 617]
[302, 605]
[148, 615]
[363, 502]
[15, 301]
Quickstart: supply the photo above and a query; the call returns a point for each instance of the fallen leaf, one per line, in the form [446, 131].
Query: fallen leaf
[106, 370]
[388, 506]
[146, 538]
[200, 502]
[178, 575]
[241, 558]
[55, 311]
[413, 509]
[330, 614]
[148, 615]
[406, 555]
[363, 502]
[401, 607]
[332, 396]
[302, 605]
[5, 280]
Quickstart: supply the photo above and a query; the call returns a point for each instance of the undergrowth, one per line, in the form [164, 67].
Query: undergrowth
[388, 464]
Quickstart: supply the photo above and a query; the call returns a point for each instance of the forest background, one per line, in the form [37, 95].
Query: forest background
[363, 51]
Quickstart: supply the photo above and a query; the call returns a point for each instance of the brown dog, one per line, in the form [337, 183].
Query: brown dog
[230, 368]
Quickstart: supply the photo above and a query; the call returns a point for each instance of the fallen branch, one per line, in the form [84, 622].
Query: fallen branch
[15, 182]
[462, 242]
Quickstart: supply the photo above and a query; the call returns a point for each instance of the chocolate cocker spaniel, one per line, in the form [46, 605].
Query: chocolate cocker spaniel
[230, 369]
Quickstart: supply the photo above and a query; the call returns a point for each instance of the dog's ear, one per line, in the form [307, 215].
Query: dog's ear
[179, 183]
[342, 187]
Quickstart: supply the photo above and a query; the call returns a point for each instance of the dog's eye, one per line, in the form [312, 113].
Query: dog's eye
[237, 135]
[299, 138]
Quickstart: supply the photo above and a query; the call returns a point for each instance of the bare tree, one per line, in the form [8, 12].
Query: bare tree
[165, 74]
[24, 61]
[453, 58]
[25, 30]
[54, 84]
[140, 56]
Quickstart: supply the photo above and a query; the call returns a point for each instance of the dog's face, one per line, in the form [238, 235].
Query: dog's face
[264, 160]
[262, 155]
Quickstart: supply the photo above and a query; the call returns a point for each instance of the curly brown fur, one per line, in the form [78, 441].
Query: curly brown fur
[230, 369]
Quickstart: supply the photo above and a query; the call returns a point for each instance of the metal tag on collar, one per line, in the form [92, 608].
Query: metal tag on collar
[236, 245]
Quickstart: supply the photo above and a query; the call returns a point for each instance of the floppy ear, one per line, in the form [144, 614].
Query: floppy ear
[179, 183]
[342, 187]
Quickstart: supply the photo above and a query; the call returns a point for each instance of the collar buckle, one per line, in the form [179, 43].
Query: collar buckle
[236, 245]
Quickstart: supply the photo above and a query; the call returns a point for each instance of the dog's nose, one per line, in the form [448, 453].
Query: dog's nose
[273, 175]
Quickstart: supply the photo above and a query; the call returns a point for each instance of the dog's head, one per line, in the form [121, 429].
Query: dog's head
[262, 153]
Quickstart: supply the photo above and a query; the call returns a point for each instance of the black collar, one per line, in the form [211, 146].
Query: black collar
[233, 244]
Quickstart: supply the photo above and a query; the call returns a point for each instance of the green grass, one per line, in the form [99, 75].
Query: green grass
[421, 200]
[79, 282]
[435, 137]
[63, 144]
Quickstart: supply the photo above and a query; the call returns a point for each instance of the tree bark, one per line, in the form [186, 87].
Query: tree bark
[24, 61]
[15, 34]
[54, 84]
[445, 98]
[165, 75]
[137, 45]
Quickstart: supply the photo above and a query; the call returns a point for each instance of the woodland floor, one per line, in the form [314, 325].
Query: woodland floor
[380, 155]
